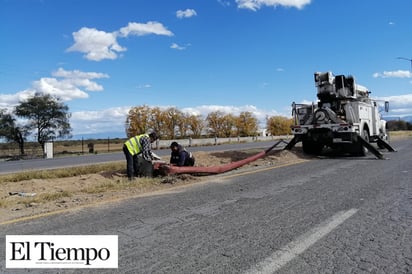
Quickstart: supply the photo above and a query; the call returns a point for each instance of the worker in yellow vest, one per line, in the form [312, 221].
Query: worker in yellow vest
[139, 155]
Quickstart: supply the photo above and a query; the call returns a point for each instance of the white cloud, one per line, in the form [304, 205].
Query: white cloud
[67, 85]
[144, 86]
[140, 29]
[10, 100]
[257, 4]
[235, 110]
[185, 13]
[176, 46]
[399, 100]
[81, 79]
[393, 74]
[60, 72]
[399, 105]
[99, 45]
[307, 102]
[91, 122]
[224, 3]
[64, 89]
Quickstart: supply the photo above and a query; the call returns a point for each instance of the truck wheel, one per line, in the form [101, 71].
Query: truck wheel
[311, 147]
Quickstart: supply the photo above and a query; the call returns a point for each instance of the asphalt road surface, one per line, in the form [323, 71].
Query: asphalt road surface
[327, 215]
[87, 159]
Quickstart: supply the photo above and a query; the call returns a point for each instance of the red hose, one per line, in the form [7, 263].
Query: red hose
[168, 169]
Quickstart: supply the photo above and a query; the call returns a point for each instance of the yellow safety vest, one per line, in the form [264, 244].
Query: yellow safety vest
[133, 144]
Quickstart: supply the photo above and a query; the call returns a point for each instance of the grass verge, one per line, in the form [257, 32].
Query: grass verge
[61, 172]
[111, 180]
[401, 134]
[44, 198]
[121, 184]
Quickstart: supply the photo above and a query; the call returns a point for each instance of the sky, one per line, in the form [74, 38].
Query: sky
[102, 57]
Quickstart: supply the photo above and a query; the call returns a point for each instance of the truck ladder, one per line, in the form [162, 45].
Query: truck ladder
[296, 139]
[371, 148]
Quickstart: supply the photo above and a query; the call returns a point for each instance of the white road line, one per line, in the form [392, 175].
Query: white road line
[287, 253]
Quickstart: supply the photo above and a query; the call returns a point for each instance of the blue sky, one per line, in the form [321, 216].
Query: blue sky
[104, 56]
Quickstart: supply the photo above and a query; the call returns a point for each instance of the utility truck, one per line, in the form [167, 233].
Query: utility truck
[345, 118]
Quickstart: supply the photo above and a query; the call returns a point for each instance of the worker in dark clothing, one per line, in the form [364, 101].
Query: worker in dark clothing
[139, 155]
[180, 156]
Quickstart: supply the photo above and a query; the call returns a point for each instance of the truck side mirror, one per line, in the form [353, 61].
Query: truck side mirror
[386, 106]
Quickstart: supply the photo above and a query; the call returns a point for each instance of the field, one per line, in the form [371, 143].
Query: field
[401, 134]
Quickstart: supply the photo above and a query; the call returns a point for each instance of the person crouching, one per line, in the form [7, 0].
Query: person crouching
[180, 156]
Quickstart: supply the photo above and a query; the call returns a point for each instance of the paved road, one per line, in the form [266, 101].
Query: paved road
[71, 161]
[329, 215]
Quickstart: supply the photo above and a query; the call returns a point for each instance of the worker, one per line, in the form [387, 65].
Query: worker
[139, 155]
[180, 156]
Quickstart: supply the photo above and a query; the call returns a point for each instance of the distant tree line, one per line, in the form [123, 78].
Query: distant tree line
[172, 123]
[396, 125]
[41, 115]
[46, 118]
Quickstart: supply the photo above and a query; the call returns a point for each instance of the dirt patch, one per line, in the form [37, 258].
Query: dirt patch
[32, 197]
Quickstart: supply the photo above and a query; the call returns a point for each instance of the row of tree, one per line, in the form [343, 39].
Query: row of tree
[172, 123]
[396, 125]
[47, 118]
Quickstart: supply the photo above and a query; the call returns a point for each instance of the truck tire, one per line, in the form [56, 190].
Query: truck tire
[312, 147]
